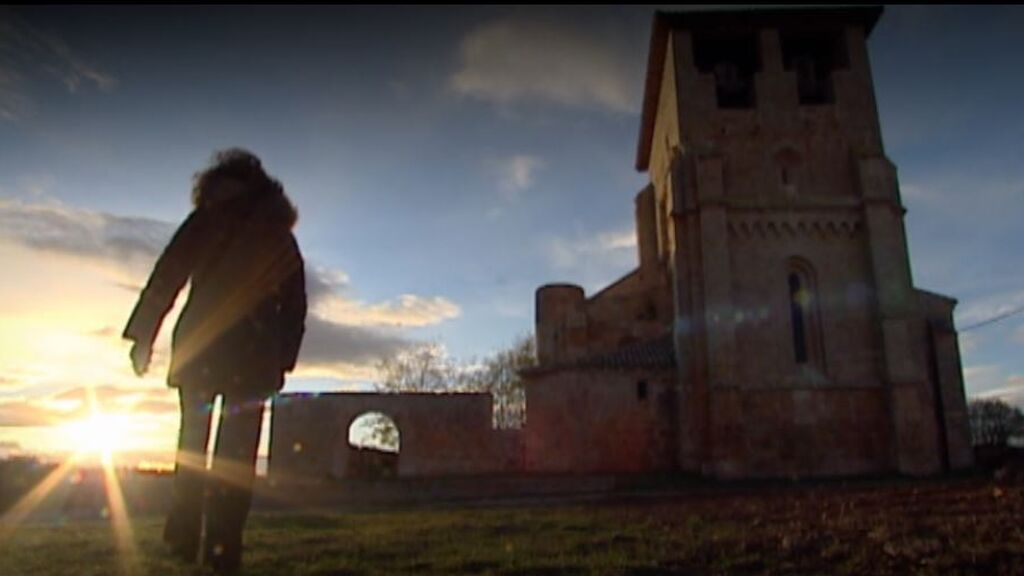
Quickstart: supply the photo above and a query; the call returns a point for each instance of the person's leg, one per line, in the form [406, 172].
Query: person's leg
[185, 518]
[231, 480]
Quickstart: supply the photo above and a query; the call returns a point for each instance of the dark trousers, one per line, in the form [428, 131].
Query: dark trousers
[224, 492]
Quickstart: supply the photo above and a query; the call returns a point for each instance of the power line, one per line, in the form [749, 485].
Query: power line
[994, 319]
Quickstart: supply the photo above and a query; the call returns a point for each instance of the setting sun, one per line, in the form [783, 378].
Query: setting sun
[99, 434]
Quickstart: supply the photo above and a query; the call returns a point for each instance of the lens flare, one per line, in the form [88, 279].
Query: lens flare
[100, 434]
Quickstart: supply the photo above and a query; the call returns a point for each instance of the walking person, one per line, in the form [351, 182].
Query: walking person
[238, 334]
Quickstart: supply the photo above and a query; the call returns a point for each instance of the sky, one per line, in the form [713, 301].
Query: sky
[445, 163]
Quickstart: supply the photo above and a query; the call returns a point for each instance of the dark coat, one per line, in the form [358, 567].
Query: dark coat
[242, 325]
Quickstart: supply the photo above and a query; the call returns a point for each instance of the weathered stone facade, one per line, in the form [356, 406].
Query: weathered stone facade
[771, 328]
[774, 226]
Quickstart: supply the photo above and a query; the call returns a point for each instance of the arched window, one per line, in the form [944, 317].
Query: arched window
[798, 316]
[803, 314]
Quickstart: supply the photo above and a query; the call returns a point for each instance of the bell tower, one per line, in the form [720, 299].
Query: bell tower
[801, 343]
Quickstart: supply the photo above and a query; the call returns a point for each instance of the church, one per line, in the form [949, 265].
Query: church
[771, 328]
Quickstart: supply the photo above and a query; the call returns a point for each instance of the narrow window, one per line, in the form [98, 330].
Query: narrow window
[641, 390]
[798, 314]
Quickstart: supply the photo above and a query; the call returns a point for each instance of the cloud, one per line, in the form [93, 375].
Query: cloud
[509, 61]
[617, 240]
[25, 413]
[105, 396]
[594, 259]
[29, 54]
[55, 227]
[992, 307]
[340, 350]
[968, 342]
[515, 175]
[74, 404]
[156, 407]
[569, 253]
[1011, 392]
[323, 282]
[331, 302]
[965, 244]
[15, 103]
[131, 244]
[982, 378]
[916, 193]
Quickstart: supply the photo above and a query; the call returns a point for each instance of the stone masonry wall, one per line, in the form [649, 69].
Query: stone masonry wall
[440, 434]
[598, 421]
[799, 432]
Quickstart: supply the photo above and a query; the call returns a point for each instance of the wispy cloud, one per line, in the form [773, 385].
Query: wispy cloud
[56, 227]
[968, 342]
[510, 61]
[408, 310]
[568, 253]
[624, 239]
[515, 175]
[28, 55]
[593, 259]
[989, 307]
[1011, 392]
[346, 352]
[15, 102]
[982, 378]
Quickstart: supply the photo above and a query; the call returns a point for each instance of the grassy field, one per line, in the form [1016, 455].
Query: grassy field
[953, 527]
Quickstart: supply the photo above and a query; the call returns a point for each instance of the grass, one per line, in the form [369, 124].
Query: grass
[953, 527]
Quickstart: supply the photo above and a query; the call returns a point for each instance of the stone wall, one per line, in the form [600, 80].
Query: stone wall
[600, 421]
[570, 327]
[799, 432]
[947, 375]
[440, 434]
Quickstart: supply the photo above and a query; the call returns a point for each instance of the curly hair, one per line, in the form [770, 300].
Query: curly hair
[234, 168]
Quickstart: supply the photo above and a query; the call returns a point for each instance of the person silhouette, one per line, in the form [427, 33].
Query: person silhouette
[238, 334]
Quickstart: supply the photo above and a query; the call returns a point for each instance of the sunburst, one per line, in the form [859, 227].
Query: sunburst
[97, 435]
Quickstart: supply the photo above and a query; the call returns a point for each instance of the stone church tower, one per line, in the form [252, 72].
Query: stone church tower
[772, 327]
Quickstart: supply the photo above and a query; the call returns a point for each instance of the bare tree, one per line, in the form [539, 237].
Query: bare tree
[427, 368]
[499, 375]
[993, 422]
[430, 369]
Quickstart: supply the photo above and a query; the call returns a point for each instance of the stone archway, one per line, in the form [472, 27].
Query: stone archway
[374, 446]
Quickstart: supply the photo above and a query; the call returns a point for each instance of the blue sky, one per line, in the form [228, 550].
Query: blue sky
[445, 162]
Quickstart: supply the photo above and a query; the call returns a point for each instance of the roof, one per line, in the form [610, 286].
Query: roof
[657, 353]
[665, 22]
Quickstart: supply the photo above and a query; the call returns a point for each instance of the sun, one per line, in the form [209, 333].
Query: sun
[99, 434]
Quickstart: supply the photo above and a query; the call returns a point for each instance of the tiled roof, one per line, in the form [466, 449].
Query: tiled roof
[652, 354]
